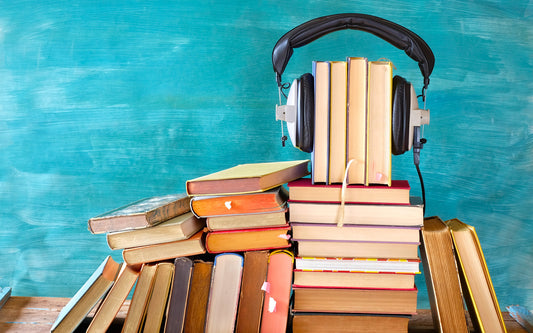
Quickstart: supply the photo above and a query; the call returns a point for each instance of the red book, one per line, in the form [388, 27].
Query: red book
[247, 240]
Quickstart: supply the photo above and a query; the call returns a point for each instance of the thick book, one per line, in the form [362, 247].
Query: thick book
[198, 296]
[442, 277]
[356, 122]
[368, 214]
[347, 323]
[320, 154]
[278, 292]
[140, 214]
[139, 301]
[92, 291]
[157, 305]
[347, 279]
[353, 300]
[274, 200]
[337, 123]
[248, 178]
[254, 274]
[224, 293]
[177, 228]
[410, 266]
[303, 190]
[113, 301]
[379, 123]
[355, 232]
[247, 221]
[179, 294]
[360, 249]
[247, 240]
[476, 283]
[159, 252]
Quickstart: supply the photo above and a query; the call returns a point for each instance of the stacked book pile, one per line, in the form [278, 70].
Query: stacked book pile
[347, 275]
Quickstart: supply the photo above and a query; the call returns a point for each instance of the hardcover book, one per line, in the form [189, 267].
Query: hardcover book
[347, 279]
[139, 301]
[320, 154]
[337, 123]
[346, 323]
[247, 221]
[247, 240]
[140, 214]
[179, 294]
[247, 178]
[198, 296]
[157, 304]
[411, 266]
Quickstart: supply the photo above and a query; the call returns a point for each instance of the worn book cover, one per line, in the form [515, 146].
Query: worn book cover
[198, 296]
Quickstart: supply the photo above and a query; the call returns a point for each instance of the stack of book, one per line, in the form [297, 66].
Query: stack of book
[346, 276]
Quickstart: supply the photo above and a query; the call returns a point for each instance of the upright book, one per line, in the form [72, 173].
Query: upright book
[478, 290]
[179, 295]
[357, 118]
[140, 214]
[87, 297]
[442, 277]
[320, 154]
[247, 178]
[337, 130]
[224, 293]
[139, 301]
[157, 305]
[198, 296]
[378, 170]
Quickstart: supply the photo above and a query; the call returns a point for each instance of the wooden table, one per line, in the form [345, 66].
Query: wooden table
[36, 314]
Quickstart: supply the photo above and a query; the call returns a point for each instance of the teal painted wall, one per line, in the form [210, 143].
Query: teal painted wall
[106, 102]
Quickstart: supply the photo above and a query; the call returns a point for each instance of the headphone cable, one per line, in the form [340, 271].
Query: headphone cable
[422, 188]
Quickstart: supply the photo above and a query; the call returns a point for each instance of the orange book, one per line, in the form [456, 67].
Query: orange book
[278, 290]
[247, 240]
[273, 200]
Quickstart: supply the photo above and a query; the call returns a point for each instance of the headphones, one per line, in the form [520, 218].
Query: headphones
[299, 111]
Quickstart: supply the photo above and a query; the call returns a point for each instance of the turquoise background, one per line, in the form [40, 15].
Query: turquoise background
[106, 102]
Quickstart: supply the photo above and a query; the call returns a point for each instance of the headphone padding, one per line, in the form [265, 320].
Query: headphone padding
[401, 109]
[306, 121]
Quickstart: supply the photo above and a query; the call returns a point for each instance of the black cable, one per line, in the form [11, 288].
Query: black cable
[422, 188]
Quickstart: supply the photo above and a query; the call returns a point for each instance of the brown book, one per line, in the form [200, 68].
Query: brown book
[273, 200]
[251, 298]
[247, 221]
[347, 323]
[179, 294]
[356, 122]
[350, 249]
[442, 277]
[159, 252]
[302, 190]
[157, 305]
[224, 293]
[406, 266]
[247, 240]
[393, 301]
[198, 297]
[178, 228]
[92, 291]
[378, 170]
[140, 214]
[476, 283]
[139, 301]
[320, 160]
[337, 122]
[347, 279]
[247, 178]
[113, 301]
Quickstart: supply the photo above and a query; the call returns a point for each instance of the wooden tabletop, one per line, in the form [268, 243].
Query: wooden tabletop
[36, 314]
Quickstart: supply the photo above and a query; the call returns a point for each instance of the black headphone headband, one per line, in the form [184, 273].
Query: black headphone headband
[397, 35]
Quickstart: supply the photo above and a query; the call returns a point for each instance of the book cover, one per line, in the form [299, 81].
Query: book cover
[247, 239]
[442, 277]
[379, 124]
[410, 266]
[224, 293]
[248, 221]
[139, 301]
[347, 322]
[159, 252]
[320, 154]
[251, 298]
[157, 305]
[140, 214]
[278, 290]
[179, 294]
[347, 279]
[273, 200]
[247, 178]
[177, 228]
[476, 283]
[302, 190]
[87, 296]
[198, 296]
[338, 117]
[357, 119]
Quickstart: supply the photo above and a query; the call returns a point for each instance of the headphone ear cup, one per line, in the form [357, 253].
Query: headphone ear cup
[306, 113]
[401, 113]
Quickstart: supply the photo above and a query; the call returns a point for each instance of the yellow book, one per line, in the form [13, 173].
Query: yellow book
[337, 124]
[478, 290]
[320, 168]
